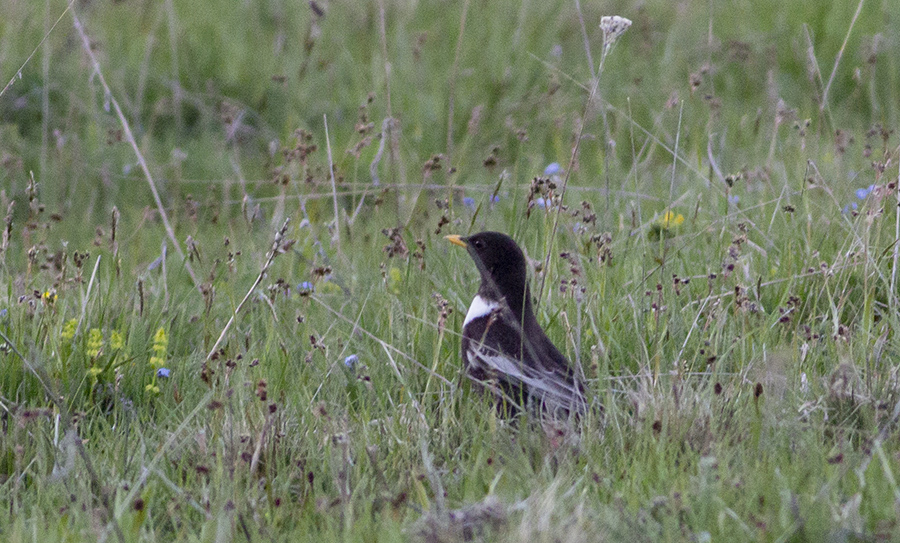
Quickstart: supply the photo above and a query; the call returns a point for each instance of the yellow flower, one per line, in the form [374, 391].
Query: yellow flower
[160, 342]
[670, 219]
[94, 343]
[663, 227]
[68, 331]
[49, 296]
[116, 341]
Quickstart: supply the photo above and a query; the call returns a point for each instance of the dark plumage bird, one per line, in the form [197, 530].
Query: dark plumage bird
[504, 349]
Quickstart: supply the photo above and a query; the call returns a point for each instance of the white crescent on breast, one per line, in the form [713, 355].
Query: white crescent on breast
[479, 308]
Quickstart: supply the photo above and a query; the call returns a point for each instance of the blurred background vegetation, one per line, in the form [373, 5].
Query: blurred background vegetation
[213, 91]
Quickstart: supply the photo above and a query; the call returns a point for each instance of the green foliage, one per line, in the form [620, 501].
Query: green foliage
[722, 268]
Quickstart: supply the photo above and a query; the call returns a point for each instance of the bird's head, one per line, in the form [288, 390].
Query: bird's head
[502, 266]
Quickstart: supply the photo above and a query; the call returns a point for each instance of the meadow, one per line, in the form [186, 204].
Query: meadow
[229, 313]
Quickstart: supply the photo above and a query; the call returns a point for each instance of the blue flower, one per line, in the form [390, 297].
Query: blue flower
[495, 198]
[469, 202]
[552, 169]
[305, 286]
[734, 199]
[351, 361]
[163, 372]
[540, 202]
[865, 191]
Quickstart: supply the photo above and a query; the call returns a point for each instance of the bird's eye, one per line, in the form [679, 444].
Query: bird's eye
[478, 244]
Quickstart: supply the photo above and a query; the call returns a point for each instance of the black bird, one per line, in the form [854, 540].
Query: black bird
[504, 349]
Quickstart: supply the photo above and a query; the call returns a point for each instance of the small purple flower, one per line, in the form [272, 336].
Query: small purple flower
[552, 169]
[469, 202]
[305, 286]
[849, 207]
[351, 361]
[734, 199]
[164, 373]
[495, 198]
[540, 202]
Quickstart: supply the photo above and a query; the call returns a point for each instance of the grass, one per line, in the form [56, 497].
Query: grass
[724, 270]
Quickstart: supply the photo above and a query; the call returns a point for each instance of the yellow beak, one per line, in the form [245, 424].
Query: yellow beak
[456, 240]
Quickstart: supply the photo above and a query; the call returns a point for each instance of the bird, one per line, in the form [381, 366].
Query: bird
[504, 349]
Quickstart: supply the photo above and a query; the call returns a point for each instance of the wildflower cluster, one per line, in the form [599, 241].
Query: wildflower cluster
[670, 219]
[612, 27]
[94, 343]
[160, 344]
[49, 296]
[94, 347]
[665, 225]
[861, 194]
[69, 328]
[116, 341]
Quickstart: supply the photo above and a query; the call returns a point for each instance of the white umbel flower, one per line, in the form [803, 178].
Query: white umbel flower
[613, 26]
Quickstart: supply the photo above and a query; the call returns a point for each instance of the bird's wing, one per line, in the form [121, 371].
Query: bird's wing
[552, 386]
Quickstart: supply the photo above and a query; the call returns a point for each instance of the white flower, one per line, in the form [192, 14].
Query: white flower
[613, 26]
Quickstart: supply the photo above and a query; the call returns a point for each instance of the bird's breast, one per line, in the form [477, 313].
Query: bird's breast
[480, 308]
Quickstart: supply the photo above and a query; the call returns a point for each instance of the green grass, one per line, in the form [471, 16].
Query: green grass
[745, 358]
